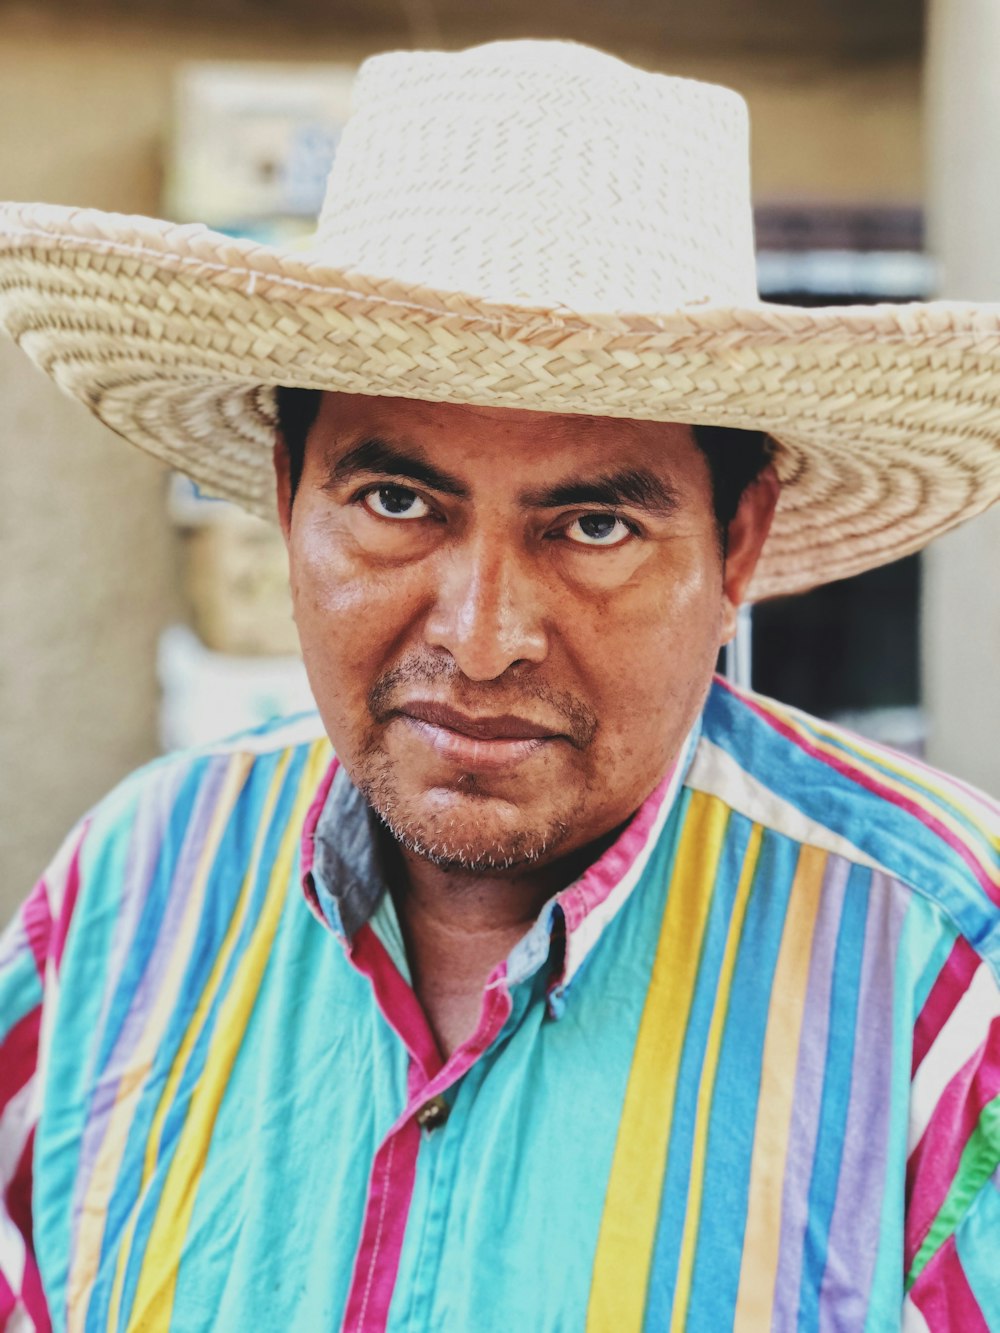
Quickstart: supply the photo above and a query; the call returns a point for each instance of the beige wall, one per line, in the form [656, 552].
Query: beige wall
[89, 569]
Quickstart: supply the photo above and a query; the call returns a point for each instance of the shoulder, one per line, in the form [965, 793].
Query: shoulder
[819, 784]
[209, 802]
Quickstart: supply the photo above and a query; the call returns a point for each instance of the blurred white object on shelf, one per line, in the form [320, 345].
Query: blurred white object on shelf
[253, 143]
[207, 696]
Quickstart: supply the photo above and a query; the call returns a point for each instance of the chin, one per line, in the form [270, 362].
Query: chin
[465, 830]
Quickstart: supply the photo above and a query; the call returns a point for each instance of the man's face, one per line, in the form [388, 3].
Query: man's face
[509, 619]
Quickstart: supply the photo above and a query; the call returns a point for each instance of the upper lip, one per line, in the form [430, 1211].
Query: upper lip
[498, 726]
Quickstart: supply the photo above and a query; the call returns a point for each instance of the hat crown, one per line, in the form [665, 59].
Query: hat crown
[543, 173]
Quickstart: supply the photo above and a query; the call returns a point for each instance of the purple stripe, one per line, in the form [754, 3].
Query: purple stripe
[854, 1230]
[144, 851]
[809, 1074]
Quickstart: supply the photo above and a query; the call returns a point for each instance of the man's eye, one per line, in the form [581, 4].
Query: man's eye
[396, 502]
[598, 530]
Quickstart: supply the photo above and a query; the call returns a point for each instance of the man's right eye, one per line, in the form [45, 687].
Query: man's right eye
[390, 501]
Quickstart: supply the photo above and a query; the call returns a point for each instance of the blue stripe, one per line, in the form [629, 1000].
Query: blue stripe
[715, 1281]
[836, 1093]
[676, 1181]
[223, 888]
[899, 841]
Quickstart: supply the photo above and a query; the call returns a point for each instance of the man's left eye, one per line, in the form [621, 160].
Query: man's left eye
[598, 530]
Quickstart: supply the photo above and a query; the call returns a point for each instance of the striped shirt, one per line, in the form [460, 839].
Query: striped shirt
[744, 1073]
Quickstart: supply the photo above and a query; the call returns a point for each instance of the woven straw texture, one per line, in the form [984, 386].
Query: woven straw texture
[527, 225]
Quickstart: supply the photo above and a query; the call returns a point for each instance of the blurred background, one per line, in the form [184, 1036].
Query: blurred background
[136, 615]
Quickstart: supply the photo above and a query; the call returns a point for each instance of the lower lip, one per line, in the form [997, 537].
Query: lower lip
[474, 755]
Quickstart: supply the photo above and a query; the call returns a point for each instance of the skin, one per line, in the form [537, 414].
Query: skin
[532, 573]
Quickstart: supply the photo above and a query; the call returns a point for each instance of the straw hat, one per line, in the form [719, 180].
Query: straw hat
[533, 225]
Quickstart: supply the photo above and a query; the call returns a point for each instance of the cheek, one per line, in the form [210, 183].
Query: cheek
[656, 648]
[349, 618]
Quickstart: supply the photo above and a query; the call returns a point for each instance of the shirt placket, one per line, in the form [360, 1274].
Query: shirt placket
[393, 1173]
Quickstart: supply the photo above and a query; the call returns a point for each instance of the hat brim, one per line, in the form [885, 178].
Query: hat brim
[886, 418]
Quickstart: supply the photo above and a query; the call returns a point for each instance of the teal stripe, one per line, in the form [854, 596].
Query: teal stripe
[918, 940]
[69, 1087]
[221, 897]
[836, 1093]
[734, 1106]
[976, 1241]
[676, 1182]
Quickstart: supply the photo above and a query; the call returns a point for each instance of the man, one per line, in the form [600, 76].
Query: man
[626, 1001]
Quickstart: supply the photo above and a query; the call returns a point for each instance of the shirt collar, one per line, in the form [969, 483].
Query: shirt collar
[345, 873]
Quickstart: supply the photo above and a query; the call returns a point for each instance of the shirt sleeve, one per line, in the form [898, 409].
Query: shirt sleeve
[30, 953]
[952, 1236]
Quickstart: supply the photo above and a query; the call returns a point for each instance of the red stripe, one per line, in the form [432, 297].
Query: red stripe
[943, 1296]
[19, 1054]
[935, 1160]
[68, 903]
[871, 784]
[951, 984]
[17, 1196]
[36, 916]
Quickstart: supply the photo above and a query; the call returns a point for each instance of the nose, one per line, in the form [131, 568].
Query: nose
[488, 609]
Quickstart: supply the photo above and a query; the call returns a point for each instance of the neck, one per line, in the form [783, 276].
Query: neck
[458, 925]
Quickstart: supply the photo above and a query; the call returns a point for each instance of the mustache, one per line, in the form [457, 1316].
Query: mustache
[577, 721]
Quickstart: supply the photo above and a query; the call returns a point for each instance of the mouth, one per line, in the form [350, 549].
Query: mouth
[476, 743]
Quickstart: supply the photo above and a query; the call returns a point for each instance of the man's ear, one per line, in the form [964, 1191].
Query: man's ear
[283, 485]
[746, 536]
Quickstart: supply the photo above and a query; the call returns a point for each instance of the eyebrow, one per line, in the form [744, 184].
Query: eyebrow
[387, 460]
[637, 487]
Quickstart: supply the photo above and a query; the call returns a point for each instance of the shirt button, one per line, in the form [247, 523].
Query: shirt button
[433, 1114]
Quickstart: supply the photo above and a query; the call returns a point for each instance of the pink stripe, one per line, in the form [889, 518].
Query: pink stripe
[879, 789]
[951, 984]
[943, 1296]
[19, 1054]
[377, 1264]
[390, 1188]
[934, 1161]
[396, 999]
[607, 872]
[68, 902]
[8, 1301]
[308, 844]
[33, 1295]
[36, 917]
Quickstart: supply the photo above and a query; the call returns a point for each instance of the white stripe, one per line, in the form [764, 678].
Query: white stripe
[12, 1253]
[583, 939]
[19, 1115]
[959, 1039]
[913, 1320]
[718, 774]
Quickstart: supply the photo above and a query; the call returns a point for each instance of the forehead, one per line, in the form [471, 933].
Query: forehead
[527, 442]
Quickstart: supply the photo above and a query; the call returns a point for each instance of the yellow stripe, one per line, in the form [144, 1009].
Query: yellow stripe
[922, 794]
[774, 1106]
[706, 1087]
[632, 1205]
[193, 1032]
[108, 1163]
[156, 1288]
